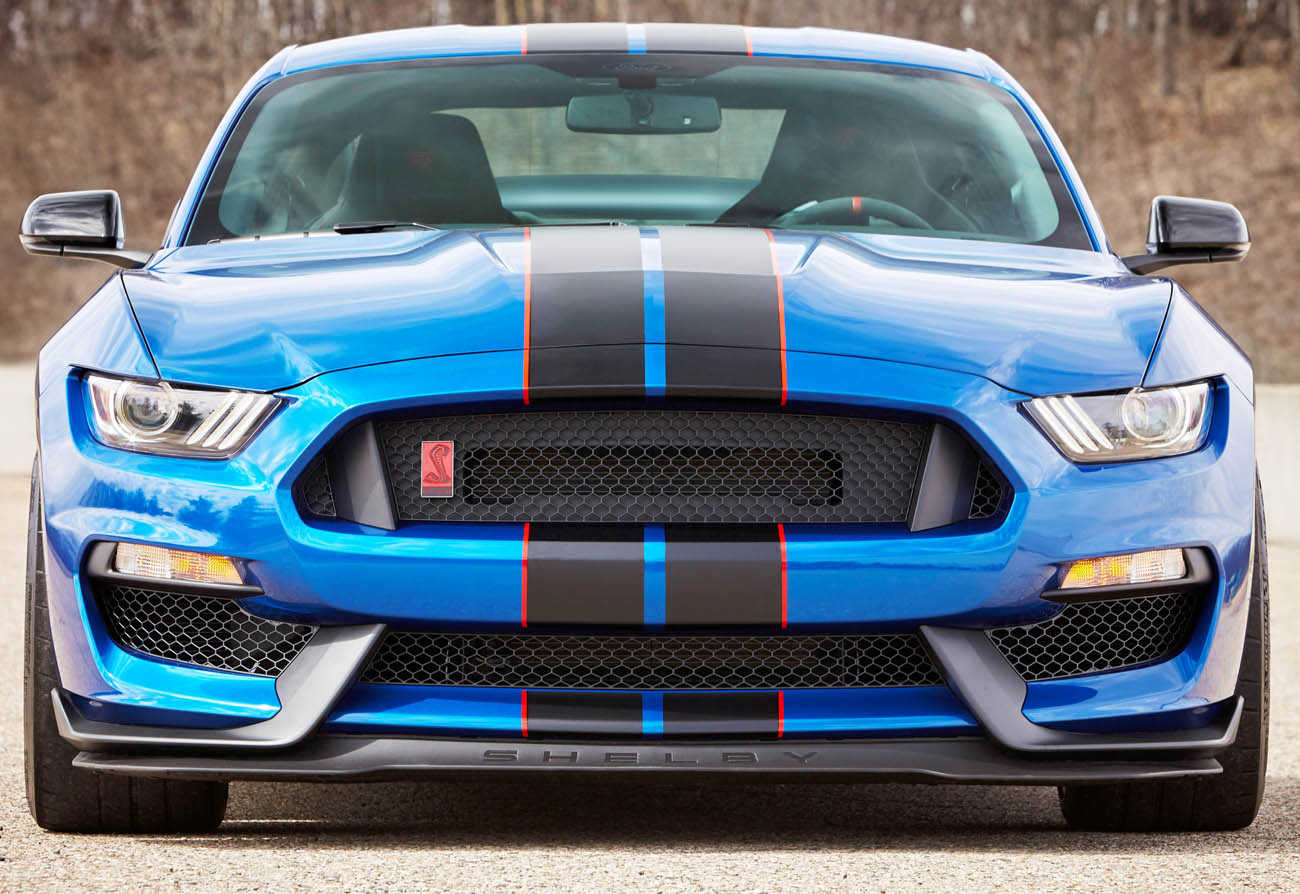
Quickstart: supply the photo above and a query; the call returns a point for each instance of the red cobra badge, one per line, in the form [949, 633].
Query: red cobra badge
[437, 468]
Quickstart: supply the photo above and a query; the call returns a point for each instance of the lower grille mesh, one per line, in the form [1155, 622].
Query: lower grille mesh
[1097, 636]
[202, 630]
[639, 662]
[1081, 639]
[988, 495]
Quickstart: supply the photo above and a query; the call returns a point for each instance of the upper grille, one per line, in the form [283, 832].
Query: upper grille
[202, 630]
[647, 467]
[1090, 637]
[651, 662]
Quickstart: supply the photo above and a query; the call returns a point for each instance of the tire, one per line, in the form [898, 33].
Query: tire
[1200, 804]
[64, 799]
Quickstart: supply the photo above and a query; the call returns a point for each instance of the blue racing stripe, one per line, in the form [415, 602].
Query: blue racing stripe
[652, 266]
[636, 38]
[656, 580]
[652, 714]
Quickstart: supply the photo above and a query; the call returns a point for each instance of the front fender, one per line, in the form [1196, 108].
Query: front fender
[1193, 347]
[102, 336]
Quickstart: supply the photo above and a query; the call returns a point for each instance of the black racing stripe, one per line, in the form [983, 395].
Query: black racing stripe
[719, 289]
[587, 371]
[607, 37]
[722, 575]
[587, 290]
[683, 38]
[713, 371]
[586, 574]
[688, 714]
[552, 713]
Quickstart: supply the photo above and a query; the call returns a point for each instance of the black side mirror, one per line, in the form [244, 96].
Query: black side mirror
[86, 224]
[1191, 231]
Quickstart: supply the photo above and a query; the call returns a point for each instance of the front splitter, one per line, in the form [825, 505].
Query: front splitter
[356, 758]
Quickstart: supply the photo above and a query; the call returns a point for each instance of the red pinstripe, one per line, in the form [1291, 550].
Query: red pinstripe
[528, 303]
[780, 715]
[780, 536]
[523, 712]
[523, 573]
[749, 43]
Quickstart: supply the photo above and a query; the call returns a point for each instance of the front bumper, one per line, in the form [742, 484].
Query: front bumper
[286, 746]
[341, 576]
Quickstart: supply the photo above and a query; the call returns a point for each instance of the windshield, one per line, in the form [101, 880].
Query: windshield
[640, 140]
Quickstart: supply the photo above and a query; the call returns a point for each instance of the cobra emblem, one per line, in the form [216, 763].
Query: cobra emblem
[438, 457]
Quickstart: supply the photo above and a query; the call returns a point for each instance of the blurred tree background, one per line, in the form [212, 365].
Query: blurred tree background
[1192, 97]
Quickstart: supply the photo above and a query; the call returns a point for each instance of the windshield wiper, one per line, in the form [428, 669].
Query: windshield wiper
[378, 226]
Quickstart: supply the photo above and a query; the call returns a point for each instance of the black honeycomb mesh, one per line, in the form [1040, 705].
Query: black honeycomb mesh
[1098, 636]
[986, 500]
[315, 493]
[203, 630]
[651, 662]
[654, 466]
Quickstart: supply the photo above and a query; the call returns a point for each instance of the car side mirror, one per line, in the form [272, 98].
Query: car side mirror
[1191, 231]
[85, 224]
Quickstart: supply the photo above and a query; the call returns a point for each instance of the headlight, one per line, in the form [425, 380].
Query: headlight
[155, 417]
[1137, 424]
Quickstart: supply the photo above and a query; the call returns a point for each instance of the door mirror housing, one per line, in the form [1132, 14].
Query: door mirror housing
[1191, 231]
[85, 224]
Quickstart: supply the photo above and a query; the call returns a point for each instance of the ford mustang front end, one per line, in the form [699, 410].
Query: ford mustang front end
[643, 399]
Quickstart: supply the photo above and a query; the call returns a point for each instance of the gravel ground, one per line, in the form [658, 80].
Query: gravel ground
[639, 837]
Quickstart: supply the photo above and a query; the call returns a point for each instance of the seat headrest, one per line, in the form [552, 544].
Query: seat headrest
[428, 168]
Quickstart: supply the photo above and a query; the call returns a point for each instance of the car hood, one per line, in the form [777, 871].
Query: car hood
[272, 313]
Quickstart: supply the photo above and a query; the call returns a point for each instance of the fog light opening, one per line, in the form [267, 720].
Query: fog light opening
[175, 564]
[1146, 567]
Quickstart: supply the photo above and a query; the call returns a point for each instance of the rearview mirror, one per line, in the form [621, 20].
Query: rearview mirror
[643, 112]
[1191, 231]
[85, 224]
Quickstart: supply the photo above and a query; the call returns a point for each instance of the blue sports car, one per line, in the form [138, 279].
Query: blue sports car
[642, 400]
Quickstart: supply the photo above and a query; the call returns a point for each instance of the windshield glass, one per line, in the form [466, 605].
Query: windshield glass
[642, 140]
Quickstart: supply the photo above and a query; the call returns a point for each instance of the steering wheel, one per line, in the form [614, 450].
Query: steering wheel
[852, 210]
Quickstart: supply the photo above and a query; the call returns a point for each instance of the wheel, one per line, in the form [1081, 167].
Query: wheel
[63, 799]
[1211, 803]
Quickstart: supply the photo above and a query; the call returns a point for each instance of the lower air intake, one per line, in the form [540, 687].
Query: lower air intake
[639, 662]
[202, 630]
[1091, 637]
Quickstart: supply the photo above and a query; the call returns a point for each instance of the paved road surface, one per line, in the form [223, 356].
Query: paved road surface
[636, 837]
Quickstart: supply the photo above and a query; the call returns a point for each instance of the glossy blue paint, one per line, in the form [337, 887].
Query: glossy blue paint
[101, 335]
[268, 315]
[346, 326]
[636, 39]
[652, 714]
[1194, 347]
[656, 361]
[429, 709]
[656, 580]
[467, 576]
